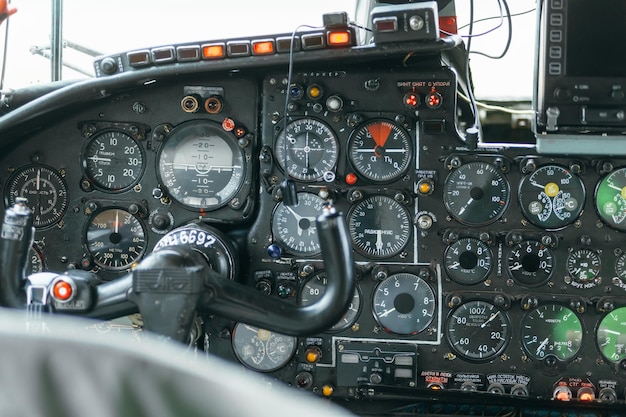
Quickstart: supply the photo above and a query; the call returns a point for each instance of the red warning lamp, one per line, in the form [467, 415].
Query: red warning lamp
[434, 100]
[339, 38]
[62, 290]
[263, 47]
[351, 179]
[411, 100]
[228, 124]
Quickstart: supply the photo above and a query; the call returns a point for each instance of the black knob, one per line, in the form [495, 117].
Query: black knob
[161, 221]
[108, 66]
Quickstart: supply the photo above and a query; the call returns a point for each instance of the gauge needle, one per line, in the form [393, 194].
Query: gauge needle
[38, 179]
[117, 221]
[493, 316]
[465, 206]
[538, 185]
[615, 187]
[542, 345]
[516, 266]
[454, 265]
[387, 312]
[379, 240]
[96, 158]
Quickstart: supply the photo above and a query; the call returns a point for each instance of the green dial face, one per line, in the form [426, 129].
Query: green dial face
[610, 336]
[552, 330]
[610, 199]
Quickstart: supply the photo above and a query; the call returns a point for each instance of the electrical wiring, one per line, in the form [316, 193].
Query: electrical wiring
[495, 107]
[510, 32]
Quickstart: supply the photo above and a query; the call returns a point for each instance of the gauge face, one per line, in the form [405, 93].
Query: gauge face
[308, 149]
[583, 265]
[314, 288]
[201, 165]
[36, 262]
[115, 239]
[620, 267]
[113, 161]
[530, 263]
[551, 197]
[45, 192]
[478, 330]
[610, 199]
[476, 193]
[294, 227]
[552, 330]
[610, 335]
[404, 304]
[379, 227]
[380, 150]
[468, 261]
[262, 350]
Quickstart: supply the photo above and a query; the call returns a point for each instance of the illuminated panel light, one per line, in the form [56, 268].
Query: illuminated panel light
[163, 55]
[284, 44]
[188, 53]
[411, 100]
[339, 38]
[239, 48]
[447, 25]
[139, 58]
[213, 51]
[313, 41]
[263, 47]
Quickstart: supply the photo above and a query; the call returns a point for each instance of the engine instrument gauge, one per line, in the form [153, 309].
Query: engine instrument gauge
[380, 150]
[620, 267]
[379, 226]
[201, 165]
[307, 149]
[404, 304]
[115, 239]
[530, 263]
[478, 330]
[262, 350]
[583, 265]
[468, 261]
[610, 335]
[294, 227]
[552, 331]
[610, 199]
[113, 161]
[551, 197]
[36, 261]
[314, 288]
[45, 191]
[476, 193]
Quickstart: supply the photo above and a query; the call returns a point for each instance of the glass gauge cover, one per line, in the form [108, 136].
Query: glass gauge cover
[380, 150]
[583, 265]
[113, 161]
[314, 288]
[45, 191]
[551, 197]
[294, 227]
[620, 267]
[610, 199]
[307, 149]
[611, 337]
[115, 239]
[530, 263]
[379, 226]
[404, 304]
[552, 330]
[468, 261]
[476, 193]
[201, 165]
[262, 350]
[478, 330]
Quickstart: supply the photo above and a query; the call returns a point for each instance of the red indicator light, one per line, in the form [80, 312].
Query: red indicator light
[411, 100]
[62, 290]
[213, 51]
[339, 38]
[434, 100]
[263, 48]
[351, 179]
[447, 25]
[228, 124]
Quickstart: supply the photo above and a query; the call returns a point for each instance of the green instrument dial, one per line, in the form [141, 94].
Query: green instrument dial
[610, 199]
[610, 336]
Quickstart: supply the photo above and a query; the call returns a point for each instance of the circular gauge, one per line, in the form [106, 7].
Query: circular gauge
[113, 161]
[115, 239]
[552, 330]
[380, 150]
[477, 330]
[404, 304]
[610, 335]
[314, 288]
[262, 350]
[610, 199]
[476, 193]
[45, 192]
[530, 263]
[379, 227]
[583, 265]
[201, 165]
[551, 197]
[36, 261]
[468, 261]
[620, 267]
[308, 150]
[294, 227]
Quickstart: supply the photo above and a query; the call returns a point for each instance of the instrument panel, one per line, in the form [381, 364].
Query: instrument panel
[495, 271]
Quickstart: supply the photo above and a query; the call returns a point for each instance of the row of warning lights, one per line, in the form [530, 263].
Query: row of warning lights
[241, 48]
